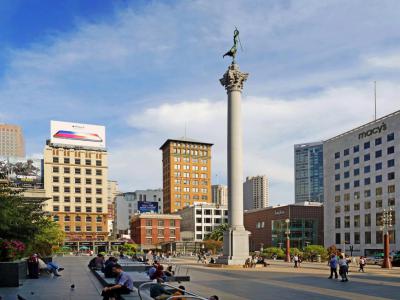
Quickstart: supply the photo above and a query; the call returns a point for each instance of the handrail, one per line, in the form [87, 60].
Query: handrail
[187, 294]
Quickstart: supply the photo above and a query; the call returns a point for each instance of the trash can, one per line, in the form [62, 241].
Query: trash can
[33, 267]
[318, 258]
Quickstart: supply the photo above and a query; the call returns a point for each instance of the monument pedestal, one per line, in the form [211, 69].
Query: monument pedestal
[236, 247]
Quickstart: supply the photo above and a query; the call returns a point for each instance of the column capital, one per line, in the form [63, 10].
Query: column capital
[233, 79]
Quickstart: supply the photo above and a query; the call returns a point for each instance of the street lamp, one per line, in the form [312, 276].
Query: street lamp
[287, 232]
[386, 225]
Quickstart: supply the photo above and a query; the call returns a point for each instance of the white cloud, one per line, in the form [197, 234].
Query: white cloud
[271, 128]
[390, 61]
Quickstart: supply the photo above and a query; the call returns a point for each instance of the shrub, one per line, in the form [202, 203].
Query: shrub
[11, 250]
[274, 251]
[312, 251]
[296, 251]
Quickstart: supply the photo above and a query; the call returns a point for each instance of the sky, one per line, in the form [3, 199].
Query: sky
[149, 69]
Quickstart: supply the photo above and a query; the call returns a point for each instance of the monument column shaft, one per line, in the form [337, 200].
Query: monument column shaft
[235, 159]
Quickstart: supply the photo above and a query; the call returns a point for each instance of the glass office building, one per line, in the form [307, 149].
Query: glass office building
[309, 172]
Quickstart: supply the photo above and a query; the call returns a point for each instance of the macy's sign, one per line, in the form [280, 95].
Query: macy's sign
[372, 131]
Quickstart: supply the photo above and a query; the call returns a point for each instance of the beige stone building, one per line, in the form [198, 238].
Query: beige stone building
[219, 194]
[11, 140]
[186, 173]
[76, 181]
[112, 193]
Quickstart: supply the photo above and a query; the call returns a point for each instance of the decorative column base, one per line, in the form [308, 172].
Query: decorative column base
[236, 247]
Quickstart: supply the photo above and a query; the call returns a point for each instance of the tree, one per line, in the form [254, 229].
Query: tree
[218, 233]
[213, 246]
[129, 248]
[19, 217]
[312, 251]
[47, 238]
[274, 251]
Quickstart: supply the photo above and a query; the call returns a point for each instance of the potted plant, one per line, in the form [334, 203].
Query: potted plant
[12, 268]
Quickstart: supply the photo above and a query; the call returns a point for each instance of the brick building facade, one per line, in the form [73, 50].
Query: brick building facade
[152, 230]
[268, 227]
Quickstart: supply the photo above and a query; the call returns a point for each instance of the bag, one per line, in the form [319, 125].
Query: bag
[92, 263]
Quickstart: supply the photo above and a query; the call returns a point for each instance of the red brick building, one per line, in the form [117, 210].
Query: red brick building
[268, 225]
[152, 230]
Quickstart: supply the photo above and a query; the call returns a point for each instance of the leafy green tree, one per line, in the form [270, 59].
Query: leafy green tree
[274, 251]
[213, 245]
[296, 251]
[312, 251]
[129, 249]
[218, 233]
[20, 218]
[48, 238]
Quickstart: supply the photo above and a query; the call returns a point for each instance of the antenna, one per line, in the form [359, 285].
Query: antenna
[375, 97]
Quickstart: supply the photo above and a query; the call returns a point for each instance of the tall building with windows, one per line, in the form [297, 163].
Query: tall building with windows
[75, 180]
[309, 172]
[112, 193]
[186, 173]
[361, 171]
[219, 194]
[255, 192]
[11, 141]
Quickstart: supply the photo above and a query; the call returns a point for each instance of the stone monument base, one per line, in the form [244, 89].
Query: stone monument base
[236, 247]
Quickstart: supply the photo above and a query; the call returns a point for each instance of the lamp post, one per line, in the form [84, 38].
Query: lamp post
[287, 232]
[386, 225]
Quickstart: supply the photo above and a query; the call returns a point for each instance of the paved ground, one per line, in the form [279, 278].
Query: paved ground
[277, 281]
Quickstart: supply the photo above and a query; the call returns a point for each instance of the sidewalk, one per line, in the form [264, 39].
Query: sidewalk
[49, 287]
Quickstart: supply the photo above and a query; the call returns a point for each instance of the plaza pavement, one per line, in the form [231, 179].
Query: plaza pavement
[278, 281]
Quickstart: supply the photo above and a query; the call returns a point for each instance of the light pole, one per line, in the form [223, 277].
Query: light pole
[386, 225]
[287, 232]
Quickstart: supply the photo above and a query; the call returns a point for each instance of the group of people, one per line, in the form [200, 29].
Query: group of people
[342, 262]
[251, 262]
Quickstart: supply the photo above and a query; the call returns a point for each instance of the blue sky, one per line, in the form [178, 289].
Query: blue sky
[144, 69]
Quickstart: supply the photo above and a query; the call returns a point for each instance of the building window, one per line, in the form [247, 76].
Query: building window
[337, 187]
[77, 161]
[77, 171]
[367, 181]
[356, 148]
[55, 169]
[337, 198]
[391, 176]
[172, 223]
[98, 191]
[66, 170]
[347, 222]
[88, 190]
[77, 218]
[378, 166]
[378, 178]
[378, 203]
[347, 237]
[56, 198]
[356, 183]
[77, 209]
[367, 157]
[346, 185]
[346, 174]
[367, 145]
[391, 189]
[77, 228]
[98, 181]
[67, 189]
[390, 163]
[99, 209]
[98, 172]
[66, 160]
[67, 208]
[99, 228]
[367, 169]
[390, 150]
[98, 163]
[87, 162]
[337, 155]
[346, 163]
[337, 209]
[356, 195]
[367, 239]
[77, 190]
[99, 201]
[390, 137]
[337, 238]
[160, 232]
[88, 171]
[56, 218]
[99, 219]
[56, 189]
[347, 208]
[357, 221]
[356, 172]
[149, 223]
[66, 228]
[149, 232]
[378, 153]
[346, 152]
[356, 238]
[88, 209]
[67, 218]
[56, 179]
[356, 160]
[55, 160]
[337, 166]
[346, 197]
[161, 223]
[356, 206]
[56, 208]
[379, 237]
[88, 181]
[77, 180]
[337, 222]
[67, 199]
[88, 219]
[67, 180]
[367, 204]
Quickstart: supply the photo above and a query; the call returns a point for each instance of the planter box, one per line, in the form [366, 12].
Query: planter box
[12, 273]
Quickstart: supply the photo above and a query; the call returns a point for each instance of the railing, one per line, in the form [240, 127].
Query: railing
[187, 294]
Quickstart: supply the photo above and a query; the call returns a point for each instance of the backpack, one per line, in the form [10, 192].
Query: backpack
[92, 263]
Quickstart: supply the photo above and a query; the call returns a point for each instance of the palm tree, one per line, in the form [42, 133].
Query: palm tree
[218, 233]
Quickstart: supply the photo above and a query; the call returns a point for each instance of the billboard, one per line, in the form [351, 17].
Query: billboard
[77, 134]
[23, 172]
[147, 207]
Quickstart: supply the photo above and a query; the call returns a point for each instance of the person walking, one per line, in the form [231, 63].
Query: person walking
[333, 266]
[362, 264]
[296, 261]
[343, 268]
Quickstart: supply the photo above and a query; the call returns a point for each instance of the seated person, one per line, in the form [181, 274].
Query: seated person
[158, 292]
[168, 272]
[51, 267]
[108, 269]
[123, 284]
[179, 292]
